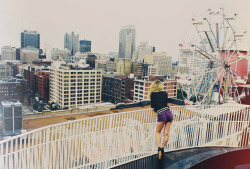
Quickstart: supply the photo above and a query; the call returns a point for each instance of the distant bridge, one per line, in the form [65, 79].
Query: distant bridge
[109, 140]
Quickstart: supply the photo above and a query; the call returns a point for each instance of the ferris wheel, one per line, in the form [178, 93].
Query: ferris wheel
[221, 66]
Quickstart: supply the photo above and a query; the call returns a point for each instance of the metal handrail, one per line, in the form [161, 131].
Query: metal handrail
[107, 140]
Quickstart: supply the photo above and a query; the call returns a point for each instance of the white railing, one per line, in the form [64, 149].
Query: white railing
[105, 141]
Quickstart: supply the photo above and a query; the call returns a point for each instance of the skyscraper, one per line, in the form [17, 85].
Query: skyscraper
[71, 42]
[30, 38]
[85, 46]
[127, 41]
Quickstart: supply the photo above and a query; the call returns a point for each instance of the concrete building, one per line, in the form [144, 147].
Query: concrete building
[110, 65]
[142, 87]
[191, 60]
[161, 61]
[141, 51]
[5, 71]
[85, 46]
[75, 85]
[123, 66]
[12, 89]
[8, 53]
[71, 42]
[29, 54]
[101, 64]
[117, 89]
[152, 70]
[127, 41]
[56, 53]
[30, 38]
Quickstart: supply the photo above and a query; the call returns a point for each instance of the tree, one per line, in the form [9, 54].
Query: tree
[181, 95]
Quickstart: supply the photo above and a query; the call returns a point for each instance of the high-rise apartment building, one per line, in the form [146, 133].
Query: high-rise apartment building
[8, 53]
[85, 46]
[71, 42]
[127, 41]
[74, 86]
[30, 38]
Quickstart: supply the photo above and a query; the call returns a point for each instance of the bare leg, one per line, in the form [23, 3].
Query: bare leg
[159, 127]
[166, 134]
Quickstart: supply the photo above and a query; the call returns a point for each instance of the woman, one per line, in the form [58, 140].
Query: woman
[159, 100]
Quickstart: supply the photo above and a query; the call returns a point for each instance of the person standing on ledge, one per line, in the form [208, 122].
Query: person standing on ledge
[159, 101]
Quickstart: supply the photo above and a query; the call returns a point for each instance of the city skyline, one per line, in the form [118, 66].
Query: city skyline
[160, 23]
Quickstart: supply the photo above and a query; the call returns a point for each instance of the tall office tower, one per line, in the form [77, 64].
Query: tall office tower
[71, 42]
[75, 85]
[85, 46]
[8, 53]
[127, 41]
[141, 51]
[30, 38]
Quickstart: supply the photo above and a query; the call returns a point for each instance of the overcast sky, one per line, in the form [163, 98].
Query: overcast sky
[163, 23]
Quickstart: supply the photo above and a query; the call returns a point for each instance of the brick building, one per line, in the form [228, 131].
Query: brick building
[43, 85]
[31, 76]
[117, 89]
[12, 89]
[142, 87]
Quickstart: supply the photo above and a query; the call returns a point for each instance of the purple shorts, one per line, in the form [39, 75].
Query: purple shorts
[165, 116]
